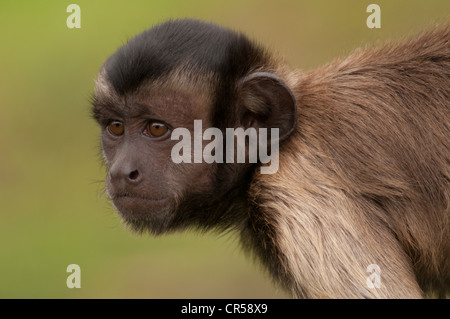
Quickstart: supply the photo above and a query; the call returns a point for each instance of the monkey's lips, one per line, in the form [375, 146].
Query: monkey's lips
[136, 204]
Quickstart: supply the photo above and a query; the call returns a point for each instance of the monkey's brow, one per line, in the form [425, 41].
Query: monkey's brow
[142, 110]
[106, 109]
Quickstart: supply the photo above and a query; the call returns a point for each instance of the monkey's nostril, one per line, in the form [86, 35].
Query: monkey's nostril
[134, 175]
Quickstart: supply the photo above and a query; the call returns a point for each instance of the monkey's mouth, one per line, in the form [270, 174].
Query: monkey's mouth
[137, 204]
[136, 196]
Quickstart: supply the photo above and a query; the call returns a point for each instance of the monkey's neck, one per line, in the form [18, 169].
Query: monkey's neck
[313, 239]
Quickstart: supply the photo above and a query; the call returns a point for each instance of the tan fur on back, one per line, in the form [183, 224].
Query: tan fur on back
[371, 180]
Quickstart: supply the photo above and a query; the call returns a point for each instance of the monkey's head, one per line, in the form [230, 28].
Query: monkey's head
[162, 80]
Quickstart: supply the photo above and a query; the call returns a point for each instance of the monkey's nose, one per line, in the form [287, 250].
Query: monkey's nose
[134, 175]
[122, 175]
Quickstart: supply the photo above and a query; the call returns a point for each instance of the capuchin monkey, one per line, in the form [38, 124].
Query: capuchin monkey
[358, 205]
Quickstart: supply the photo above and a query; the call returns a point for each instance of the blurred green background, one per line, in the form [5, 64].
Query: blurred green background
[52, 208]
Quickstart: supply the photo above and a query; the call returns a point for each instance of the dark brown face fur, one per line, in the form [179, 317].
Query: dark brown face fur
[142, 181]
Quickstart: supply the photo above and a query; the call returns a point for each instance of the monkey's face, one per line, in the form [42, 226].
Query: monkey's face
[145, 185]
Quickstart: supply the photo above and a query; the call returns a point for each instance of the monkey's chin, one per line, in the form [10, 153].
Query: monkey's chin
[144, 214]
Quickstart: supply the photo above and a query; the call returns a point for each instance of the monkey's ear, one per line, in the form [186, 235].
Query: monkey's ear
[266, 101]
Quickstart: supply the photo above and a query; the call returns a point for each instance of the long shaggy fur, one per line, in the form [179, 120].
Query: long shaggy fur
[365, 179]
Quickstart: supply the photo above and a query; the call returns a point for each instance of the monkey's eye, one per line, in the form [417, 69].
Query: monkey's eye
[116, 128]
[156, 129]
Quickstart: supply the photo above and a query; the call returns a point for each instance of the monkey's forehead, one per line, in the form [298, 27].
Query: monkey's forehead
[179, 84]
[178, 94]
[204, 47]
